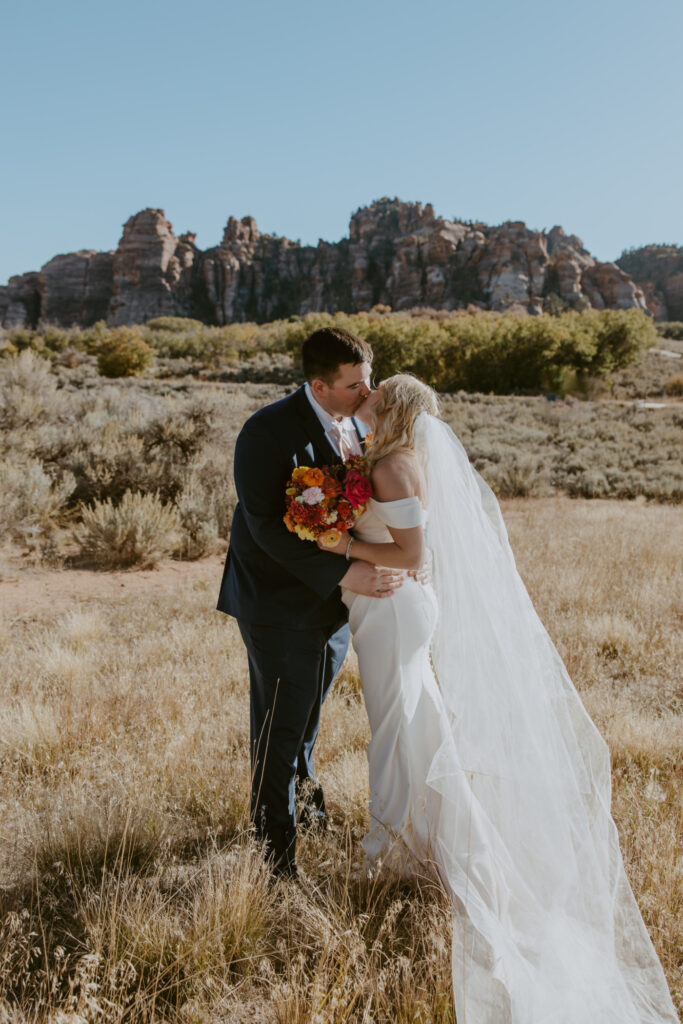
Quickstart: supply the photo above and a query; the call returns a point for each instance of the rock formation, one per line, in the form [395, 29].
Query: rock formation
[20, 300]
[397, 254]
[658, 270]
[76, 288]
[152, 270]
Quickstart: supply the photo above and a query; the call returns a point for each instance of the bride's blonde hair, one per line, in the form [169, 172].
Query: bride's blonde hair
[403, 398]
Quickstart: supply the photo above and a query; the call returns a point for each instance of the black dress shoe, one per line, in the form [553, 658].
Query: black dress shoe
[280, 850]
[287, 871]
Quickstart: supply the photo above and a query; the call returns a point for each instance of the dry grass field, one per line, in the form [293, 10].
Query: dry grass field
[130, 889]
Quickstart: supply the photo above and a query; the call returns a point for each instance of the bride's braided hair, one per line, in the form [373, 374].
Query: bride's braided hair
[404, 397]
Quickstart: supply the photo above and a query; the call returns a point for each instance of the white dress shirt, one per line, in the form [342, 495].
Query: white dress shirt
[346, 423]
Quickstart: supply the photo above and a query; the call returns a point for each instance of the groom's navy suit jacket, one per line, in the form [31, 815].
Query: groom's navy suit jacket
[271, 576]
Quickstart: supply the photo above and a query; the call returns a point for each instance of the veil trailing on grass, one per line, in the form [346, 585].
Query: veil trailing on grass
[545, 924]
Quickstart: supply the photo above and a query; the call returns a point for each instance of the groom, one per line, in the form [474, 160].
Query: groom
[285, 592]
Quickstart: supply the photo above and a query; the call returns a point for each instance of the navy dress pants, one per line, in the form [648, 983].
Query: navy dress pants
[290, 673]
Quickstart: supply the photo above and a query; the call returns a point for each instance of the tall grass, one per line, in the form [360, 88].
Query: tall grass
[130, 886]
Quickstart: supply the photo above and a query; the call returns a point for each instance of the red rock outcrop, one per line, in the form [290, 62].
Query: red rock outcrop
[152, 270]
[658, 270]
[397, 254]
[76, 288]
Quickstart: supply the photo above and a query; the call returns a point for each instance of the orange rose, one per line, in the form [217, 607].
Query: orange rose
[331, 487]
[313, 477]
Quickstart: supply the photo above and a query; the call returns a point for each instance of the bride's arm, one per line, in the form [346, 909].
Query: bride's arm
[407, 550]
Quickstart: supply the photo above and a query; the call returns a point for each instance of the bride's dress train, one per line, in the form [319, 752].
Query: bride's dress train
[485, 763]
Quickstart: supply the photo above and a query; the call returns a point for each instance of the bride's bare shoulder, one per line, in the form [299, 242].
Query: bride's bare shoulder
[394, 476]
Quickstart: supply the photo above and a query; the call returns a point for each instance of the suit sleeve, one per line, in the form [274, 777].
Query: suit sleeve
[261, 474]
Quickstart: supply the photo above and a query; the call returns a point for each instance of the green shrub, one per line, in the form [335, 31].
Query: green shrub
[55, 338]
[137, 532]
[23, 337]
[474, 350]
[90, 338]
[621, 335]
[500, 353]
[181, 324]
[208, 346]
[6, 346]
[123, 353]
[213, 346]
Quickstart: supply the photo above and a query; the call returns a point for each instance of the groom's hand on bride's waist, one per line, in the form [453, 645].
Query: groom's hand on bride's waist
[371, 580]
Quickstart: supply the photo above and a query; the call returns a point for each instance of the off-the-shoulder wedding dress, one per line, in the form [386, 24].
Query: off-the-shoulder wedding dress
[485, 764]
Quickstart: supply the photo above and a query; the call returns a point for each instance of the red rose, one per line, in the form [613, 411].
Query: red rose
[357, 488]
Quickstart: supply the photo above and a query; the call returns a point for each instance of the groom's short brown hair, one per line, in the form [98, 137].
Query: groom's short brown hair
[323, 352]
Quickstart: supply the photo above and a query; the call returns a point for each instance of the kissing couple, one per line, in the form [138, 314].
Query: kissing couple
[483, 760]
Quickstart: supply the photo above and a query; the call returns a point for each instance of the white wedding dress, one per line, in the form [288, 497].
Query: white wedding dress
[485, 766]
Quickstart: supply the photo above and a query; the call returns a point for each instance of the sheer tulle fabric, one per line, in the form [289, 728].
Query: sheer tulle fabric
[484, 760]
[546, 927]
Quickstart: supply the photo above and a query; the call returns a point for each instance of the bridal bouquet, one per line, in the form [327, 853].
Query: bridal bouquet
[327, 502]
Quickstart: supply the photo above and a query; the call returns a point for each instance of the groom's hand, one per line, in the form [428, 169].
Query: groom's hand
[364, 578]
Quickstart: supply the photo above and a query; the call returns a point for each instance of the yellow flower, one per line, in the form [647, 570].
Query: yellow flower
[305, 534]
[292, 490]
[300, 472]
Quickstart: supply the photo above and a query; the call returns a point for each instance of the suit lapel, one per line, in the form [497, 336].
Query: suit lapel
[361, 431]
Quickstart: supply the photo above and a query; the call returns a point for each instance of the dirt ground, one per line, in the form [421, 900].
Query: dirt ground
[30, 592]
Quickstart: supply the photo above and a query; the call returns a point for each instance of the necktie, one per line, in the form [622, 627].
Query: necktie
[337, 434]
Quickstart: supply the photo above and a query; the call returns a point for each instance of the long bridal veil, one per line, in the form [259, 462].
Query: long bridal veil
[546, 929]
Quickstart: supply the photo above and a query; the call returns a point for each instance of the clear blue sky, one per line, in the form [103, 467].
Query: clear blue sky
[298, 113]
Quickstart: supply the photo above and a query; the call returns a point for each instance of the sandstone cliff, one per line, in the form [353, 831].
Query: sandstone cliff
[398, 254]
[658, 270]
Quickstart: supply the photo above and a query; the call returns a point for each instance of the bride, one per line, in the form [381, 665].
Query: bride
[483, 761]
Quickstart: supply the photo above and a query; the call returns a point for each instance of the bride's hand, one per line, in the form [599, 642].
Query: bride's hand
[424, 573]
[337, 549]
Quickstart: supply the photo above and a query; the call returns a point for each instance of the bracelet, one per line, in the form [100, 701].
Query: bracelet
[348, 549]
